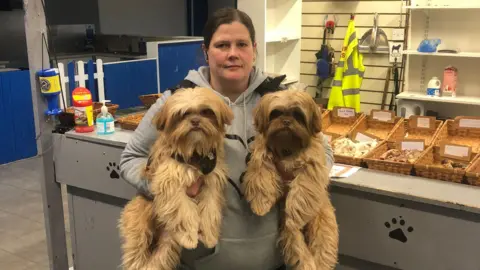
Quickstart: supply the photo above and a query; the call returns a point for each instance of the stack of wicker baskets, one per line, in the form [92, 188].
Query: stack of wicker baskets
[130, 122]
[411, 132]
[149, 100]
[430, 163]
[454, 133]
[385, 131]
[473, 172]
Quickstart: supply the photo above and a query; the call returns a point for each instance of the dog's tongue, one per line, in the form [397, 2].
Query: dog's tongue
[194, 189]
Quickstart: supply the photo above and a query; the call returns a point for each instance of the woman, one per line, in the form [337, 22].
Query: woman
[247, 241]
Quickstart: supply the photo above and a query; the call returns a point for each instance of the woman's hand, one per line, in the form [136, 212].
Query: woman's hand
[193, 190]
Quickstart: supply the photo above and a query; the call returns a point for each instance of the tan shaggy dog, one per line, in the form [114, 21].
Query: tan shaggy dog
[288, 124]
[191, 128]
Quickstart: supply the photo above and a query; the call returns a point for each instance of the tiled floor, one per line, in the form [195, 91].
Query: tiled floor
[22, 231]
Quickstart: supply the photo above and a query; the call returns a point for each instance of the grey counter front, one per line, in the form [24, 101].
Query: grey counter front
[386, 221]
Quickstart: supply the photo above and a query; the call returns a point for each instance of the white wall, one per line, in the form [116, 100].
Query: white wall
[143, 17]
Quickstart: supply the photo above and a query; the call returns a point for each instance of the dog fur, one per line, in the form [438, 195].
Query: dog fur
[155, 231]
[288, 125]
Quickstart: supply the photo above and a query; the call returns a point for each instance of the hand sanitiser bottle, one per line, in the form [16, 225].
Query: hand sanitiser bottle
[105, 121]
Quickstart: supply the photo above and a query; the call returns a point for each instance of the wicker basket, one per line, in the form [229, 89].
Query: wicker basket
[429, 165]
[462, 136]
[392, 132]
[338, 125]
[429, 136]
[373, 162]
[131, 122]
[354, 161]
[149, 100]
[473, 172]
[97, 108]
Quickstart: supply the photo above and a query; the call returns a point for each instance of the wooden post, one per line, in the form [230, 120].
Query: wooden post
[35, 29]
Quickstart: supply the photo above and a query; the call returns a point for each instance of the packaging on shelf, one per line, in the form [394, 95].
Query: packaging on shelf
[449, 85]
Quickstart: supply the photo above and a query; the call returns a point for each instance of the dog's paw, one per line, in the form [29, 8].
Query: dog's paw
[187, 240]
[209, 240]
[261, 206]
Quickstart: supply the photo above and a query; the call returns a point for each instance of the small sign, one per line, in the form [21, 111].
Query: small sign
[383, 116]
[412, 145]
[469, 122]
[364, 137]
[456, 151]
[344, 112]
[423, 122]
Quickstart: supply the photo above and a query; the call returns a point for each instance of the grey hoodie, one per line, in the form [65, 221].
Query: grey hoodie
[247, 241]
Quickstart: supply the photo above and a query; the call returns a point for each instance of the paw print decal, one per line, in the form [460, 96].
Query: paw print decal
[113, 168]
[398, 229]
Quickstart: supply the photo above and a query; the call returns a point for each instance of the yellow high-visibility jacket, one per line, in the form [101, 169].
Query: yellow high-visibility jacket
[349, 73]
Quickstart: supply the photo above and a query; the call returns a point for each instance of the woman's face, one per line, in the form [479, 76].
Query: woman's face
[231, 52]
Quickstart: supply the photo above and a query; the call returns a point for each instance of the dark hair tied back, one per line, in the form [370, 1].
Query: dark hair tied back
[226, 16]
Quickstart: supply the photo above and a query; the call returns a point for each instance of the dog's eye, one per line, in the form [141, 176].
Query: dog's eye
[187, 113]
[207, 113]
[299, 117]
[274, 114]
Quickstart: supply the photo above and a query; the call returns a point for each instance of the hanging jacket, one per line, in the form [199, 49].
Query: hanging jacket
[247, 241]
[349, 74]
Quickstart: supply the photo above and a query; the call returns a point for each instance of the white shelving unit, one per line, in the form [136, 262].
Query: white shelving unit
[278, 26]
[454, 22]
[460, 54]
[444, 6]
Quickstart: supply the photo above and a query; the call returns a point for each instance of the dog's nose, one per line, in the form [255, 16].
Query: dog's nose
[195, 122]
[286, 122]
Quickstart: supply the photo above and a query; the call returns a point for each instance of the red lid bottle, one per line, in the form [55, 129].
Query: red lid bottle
[82, 102]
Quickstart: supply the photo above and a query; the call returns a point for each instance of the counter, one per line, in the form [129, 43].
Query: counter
[386, 221]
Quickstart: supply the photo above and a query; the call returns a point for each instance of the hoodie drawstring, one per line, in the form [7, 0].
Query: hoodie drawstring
[245, 119]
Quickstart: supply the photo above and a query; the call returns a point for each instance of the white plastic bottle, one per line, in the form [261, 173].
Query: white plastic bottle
[433, 88]
[105, 121]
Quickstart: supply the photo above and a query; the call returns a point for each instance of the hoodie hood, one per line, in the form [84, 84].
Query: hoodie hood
[201, 77]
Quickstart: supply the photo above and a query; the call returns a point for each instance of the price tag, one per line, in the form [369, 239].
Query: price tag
[364, 137]
[423, 122]
[383, 116]
[344, 112]
[412, 145]
[461, 152]
[469, 123]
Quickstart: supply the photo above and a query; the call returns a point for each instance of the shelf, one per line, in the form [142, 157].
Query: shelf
[290, 80]
[460, 54]
[425, 7]
[280, 37]
[423, 97]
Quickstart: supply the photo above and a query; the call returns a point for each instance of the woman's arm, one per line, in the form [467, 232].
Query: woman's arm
[135, 155]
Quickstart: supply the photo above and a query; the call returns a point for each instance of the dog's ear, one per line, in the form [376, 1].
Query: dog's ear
[316, 124]
[160, 119]
[226, 114]
[260, 113]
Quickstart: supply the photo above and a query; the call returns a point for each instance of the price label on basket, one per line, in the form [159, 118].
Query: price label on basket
[383, 116]
[470, 122]
[364, 137]
[412, 145]
[423, 122]
[456, 151]
[344, 112]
